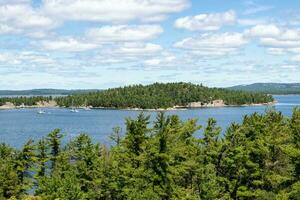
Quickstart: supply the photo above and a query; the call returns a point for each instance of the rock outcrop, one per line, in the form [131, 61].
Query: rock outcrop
[214, 103]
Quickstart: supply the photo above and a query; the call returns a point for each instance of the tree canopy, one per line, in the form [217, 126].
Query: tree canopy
[24, 100]
[256, 159]
[155, 96]
[161, 95]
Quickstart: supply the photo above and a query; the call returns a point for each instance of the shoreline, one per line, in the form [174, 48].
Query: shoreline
[9, 106]
[285, 94]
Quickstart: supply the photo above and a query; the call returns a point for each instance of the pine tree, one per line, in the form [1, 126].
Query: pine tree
[42, 157]
[54, 141]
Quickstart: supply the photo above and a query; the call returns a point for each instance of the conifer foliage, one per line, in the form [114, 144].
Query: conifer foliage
[166, 159]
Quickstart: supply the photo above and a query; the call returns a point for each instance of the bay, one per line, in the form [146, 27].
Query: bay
[18, 125]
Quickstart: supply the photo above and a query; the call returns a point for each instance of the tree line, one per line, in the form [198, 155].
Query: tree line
[160, 95]
[25, 100]
[270, 88]
[258, 158]
[153, 96]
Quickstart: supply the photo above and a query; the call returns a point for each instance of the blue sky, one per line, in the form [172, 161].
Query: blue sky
[108, 43]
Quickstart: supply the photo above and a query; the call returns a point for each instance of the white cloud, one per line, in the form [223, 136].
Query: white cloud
[5, 29]
[270, 30]
[289, 67]
[276, 51]
[206, 22]
[7, 59]
[165, 59]
[251, 22]
[273, 35]
[68, 45]
[35, 57]
[138, 48]
[257, 9]
[279, 43]
[3, 58]
[153, 61]
[25, 58]
[6, 2]
[20, 17]
[294, 50]
[122, 53]
[253, 8]
[296, 58]
[113, 10]
[278, 40]
[124, 33]
[286, 38]
[213, 44]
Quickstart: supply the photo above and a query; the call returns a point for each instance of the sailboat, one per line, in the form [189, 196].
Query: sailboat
[41, 111]
[86, 107]
[73, 109]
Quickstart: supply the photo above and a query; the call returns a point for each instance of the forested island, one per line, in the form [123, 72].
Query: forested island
[256, 159]
[154, 96]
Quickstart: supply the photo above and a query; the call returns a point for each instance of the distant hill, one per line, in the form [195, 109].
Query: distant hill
[43, 92]
[270, 88]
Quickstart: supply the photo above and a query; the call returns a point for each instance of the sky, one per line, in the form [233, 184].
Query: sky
[78, 44]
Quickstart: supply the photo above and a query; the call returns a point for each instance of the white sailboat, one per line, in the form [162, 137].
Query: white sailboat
[86, 107]
[41, 111]
[73, 109]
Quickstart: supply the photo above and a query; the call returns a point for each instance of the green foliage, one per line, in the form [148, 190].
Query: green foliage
[257, 159]
[9, 180]
[54, 143]
[270, 88]
[26, 101]
[160, 95]
[155, 96]
[42, 157]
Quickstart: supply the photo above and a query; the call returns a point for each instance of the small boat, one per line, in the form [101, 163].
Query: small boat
[87, 108]
[41, 112]
[73, 109]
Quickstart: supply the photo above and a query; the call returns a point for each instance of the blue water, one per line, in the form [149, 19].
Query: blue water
[16, 126]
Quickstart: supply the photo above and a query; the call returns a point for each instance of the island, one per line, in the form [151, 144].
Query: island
[157, 96]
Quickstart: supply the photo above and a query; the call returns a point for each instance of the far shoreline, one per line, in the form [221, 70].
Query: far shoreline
[176, 108]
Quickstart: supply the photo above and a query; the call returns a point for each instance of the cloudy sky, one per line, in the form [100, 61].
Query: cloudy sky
[108, 43]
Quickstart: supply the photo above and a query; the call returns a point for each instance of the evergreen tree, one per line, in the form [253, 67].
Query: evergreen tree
[256, 159]
[24, 161]
[42, 157]
[54, 141]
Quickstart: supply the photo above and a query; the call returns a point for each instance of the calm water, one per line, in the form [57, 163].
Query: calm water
[18, 125]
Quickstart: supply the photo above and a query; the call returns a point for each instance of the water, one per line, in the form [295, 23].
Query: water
[16, 126]
[42, 95]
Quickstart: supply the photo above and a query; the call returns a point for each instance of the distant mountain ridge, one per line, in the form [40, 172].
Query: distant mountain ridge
[270, 88]
[43, 92]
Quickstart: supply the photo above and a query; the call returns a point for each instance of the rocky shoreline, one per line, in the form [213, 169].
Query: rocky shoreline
[42, 104]
[192, 105]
